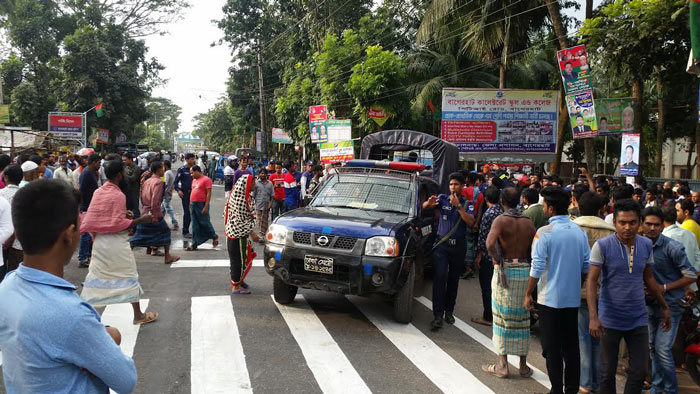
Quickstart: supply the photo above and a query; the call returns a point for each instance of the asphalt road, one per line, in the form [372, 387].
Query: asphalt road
[210, 341]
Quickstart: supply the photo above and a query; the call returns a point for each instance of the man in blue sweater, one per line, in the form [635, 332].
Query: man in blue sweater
[559, 260]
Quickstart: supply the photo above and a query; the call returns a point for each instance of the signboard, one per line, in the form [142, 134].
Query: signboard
[4, 114]
[280, 136]
[629, 155]
[612, 113]
[339, 130]
[318, 113]
[102, 136]
[500, 121]
[337, 152]
[378, 115]
[319, 132]
[575, 71]
[121, 138]
[582, 114]
[66, 125]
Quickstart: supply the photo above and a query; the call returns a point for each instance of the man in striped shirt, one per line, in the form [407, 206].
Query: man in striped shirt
[291, 191]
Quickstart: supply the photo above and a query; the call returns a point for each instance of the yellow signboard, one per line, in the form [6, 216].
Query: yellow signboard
[4, 114]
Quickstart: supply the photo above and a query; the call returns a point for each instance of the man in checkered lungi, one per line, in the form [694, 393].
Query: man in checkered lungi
[509, 243]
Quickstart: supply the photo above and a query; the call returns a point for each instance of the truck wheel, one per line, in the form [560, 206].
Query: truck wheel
[403, 301]
[284, 293]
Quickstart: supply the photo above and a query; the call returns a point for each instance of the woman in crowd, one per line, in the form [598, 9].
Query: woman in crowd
[240, 222]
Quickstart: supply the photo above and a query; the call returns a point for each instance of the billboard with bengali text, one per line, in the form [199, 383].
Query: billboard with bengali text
[66, 125]
[280, 136]
[613, 113]
[574, 68]
[582, 114]
[500, 121]
[336, 152]
[339, 130]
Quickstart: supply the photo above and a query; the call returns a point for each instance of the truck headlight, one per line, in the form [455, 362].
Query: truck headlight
[277, 234]
[382, 247]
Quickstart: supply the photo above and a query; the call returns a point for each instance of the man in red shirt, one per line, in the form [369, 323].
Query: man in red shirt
[202, 230]
[277, 179]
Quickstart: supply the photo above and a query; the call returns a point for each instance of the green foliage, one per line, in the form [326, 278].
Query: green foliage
[155, 140]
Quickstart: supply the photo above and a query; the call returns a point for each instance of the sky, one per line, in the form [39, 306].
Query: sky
[197, 72]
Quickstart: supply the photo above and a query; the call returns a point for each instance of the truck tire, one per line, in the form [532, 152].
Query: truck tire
[284, 293]
[403, 301]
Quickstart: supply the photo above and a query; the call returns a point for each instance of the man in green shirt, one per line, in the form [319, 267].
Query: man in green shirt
[533, 210]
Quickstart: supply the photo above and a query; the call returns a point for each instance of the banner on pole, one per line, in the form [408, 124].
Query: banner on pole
[378, 115]
[629, 155]
[339, 130]
[318, 113]
[102, 136]
[280, 136]
[500, 121]
[336, 152]
[614, 115]
[575, 71]
[4, 114]
[319, 133]
[258, 141]
[68, 125]
[582, 114]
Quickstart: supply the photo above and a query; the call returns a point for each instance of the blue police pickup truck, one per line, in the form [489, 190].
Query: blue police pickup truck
[362, 233]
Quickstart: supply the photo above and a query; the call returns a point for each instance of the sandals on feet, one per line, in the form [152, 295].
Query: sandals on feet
[528, 372]
[172, 259]
[481, 320]
[148, 317]
[241, 291]
[491, 369]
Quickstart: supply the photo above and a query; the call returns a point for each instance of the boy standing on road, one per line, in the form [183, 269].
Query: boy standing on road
[625, 261]
[448, 258]
[559, 260]
[277, 179]
[52, 341]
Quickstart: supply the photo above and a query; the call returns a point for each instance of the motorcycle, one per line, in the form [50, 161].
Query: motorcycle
[691, 323]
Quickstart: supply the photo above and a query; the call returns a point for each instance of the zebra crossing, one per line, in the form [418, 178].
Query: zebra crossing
[219, 360]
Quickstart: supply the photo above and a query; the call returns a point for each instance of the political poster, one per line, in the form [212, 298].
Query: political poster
[339, 130]
[68, 125]
[279, 136]
[102, 136]
[582, 114]
[4, 114]
[614, 115]
[121, 138]
[500, 121]
[629, 155]
[319, 132]
[318, 113]
[336, 152]
[575, 70]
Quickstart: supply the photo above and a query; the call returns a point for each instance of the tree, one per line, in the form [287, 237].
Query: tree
[164, 115]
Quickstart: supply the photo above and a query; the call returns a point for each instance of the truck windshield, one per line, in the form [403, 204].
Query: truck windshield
[364, 192]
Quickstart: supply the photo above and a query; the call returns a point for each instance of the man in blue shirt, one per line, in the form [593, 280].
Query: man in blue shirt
[560, 255]
[52, 342]
[291, 189]
[183, 186]
[448, 258]
[625, 261]
[673, 271]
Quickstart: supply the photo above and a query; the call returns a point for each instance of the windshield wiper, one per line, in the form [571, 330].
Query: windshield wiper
[388, 211]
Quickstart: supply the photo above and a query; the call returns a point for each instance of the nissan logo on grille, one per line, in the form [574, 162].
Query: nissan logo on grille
[322, 240]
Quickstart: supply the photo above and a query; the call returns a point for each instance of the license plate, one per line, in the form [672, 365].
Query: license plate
[323, 265]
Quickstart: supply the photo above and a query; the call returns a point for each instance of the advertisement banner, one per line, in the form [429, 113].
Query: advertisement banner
[575, 71]
[378, 115]
[102, 136]
[4, 114]
[582, 114]
[62, 125]
[339, 130]
[500, 121]
[319, 133]
[614, 115]
[280, 136]
[318, 113]
[258, 141]
[121, 138]
[629, 155]
[337, 152]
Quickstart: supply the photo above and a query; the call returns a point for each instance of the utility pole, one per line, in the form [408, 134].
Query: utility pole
[263, 130]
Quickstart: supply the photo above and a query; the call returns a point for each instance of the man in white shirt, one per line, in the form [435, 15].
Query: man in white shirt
[63, 172]
[685, 237]
[12, 176]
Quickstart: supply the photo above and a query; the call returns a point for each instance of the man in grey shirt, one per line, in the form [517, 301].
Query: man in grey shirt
[263, 194]
[168, 194]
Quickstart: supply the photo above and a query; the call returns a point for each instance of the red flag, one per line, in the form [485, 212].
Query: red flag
[430, 104]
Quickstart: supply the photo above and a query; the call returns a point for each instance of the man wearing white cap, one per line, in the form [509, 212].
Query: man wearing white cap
[29, 169]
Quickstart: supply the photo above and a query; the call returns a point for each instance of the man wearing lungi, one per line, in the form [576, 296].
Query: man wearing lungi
[509, 243]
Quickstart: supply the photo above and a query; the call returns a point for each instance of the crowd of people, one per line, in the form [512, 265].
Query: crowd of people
[595, 261]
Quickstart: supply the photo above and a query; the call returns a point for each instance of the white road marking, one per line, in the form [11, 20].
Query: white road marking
[209, 263]
[330, 367]
[215, 342]
[179, 244]
[485, 341]
[446, 373]
[121, 317]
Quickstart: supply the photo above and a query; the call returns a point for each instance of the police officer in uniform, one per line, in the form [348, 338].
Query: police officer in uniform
[448, 256]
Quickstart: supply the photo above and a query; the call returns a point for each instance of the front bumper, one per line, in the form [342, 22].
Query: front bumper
[352, 274]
